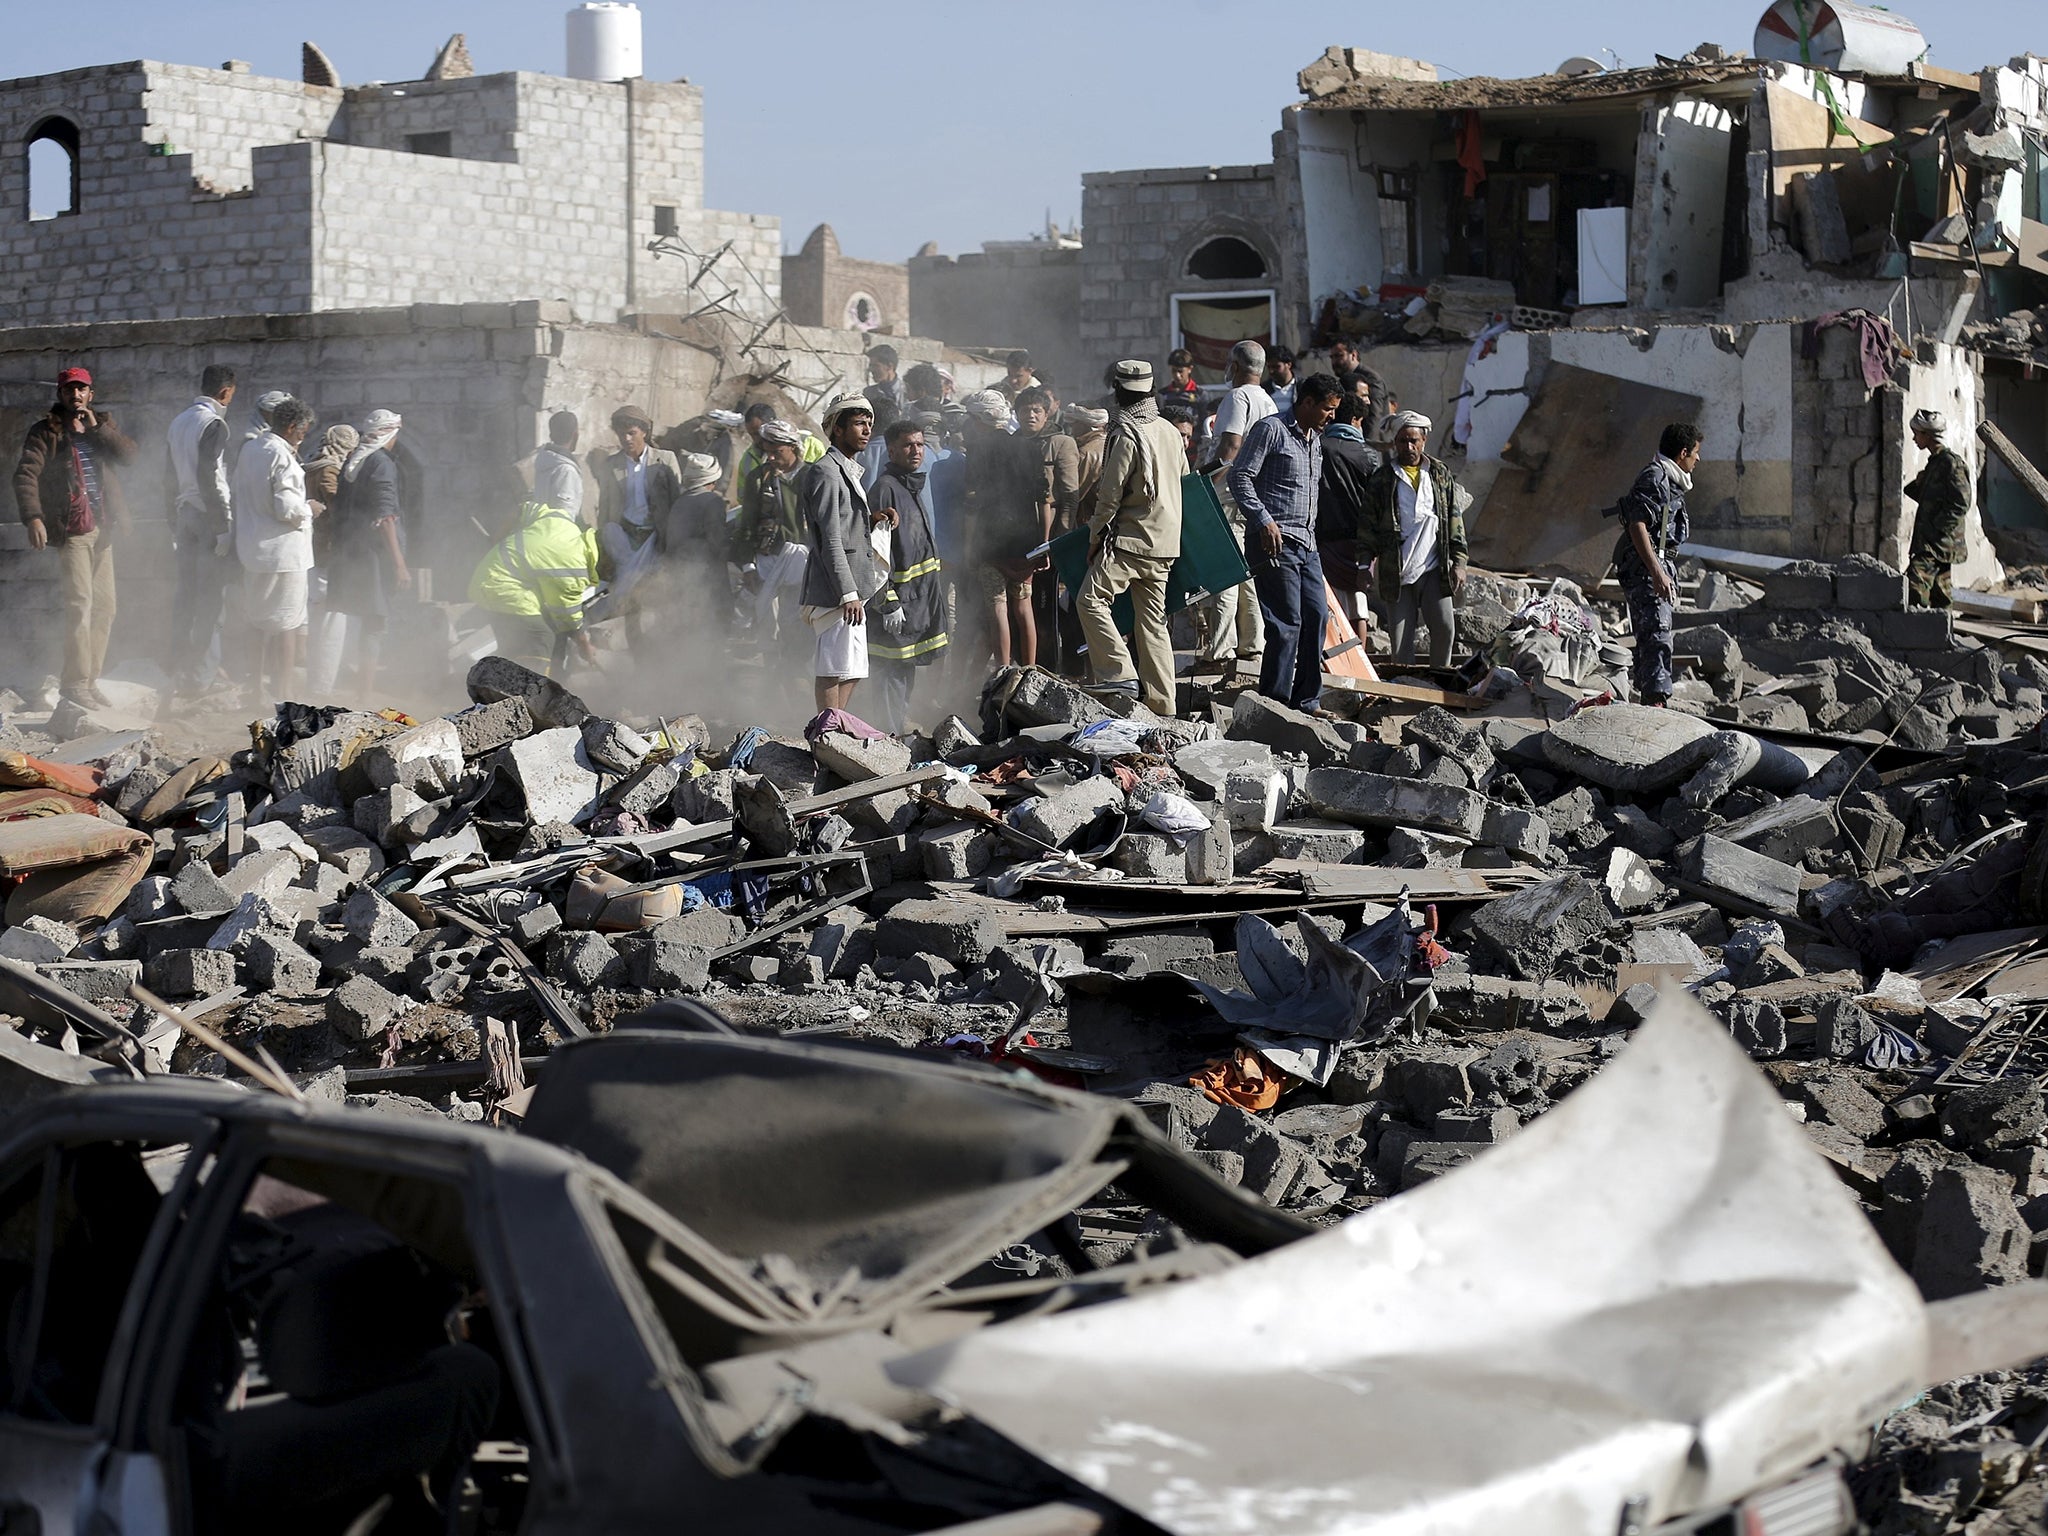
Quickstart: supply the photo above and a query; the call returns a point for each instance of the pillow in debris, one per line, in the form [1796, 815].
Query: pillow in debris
[75, 868]
[168, 796]
[20, 771]
[20, 804]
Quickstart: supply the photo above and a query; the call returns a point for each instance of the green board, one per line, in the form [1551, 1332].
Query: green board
[1211, 560]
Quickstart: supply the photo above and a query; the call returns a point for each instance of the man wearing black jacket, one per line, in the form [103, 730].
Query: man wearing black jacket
[1349, 461]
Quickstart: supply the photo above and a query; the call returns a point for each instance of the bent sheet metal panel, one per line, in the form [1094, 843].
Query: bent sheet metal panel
[1657, 1289]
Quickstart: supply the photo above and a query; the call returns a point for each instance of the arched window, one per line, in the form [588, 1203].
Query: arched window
[52, 168]
[1226, 258]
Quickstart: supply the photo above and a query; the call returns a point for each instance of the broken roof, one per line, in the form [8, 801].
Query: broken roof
[1478, 91]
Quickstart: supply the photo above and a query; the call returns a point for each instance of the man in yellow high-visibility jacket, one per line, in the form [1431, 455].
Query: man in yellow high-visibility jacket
[534, 585]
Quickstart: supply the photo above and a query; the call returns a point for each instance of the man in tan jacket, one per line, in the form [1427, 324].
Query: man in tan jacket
[1134, 528]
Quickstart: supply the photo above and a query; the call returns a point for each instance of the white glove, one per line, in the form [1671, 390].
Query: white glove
[895, 621]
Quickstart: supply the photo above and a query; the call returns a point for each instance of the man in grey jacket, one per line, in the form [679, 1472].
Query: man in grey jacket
[844, 571]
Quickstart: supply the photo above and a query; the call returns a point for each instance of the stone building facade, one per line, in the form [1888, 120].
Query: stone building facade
[822, 286]
[1149, 237]
[216, 192]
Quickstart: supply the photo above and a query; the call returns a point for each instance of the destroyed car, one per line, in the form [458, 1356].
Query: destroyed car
[776, 1286]
[228, 1311]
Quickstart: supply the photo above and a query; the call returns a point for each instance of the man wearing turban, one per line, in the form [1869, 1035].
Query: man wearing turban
[1411, 525]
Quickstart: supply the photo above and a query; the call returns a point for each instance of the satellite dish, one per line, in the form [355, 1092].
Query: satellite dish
[1579, 64]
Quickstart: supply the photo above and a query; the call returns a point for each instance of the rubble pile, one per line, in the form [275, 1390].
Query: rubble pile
[1332, 956]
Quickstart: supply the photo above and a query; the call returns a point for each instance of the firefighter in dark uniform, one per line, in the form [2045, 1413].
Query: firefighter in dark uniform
[1942, 491]
[1654, 524]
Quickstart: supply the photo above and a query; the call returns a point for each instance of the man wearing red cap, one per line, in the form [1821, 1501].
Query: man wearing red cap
[69, 496]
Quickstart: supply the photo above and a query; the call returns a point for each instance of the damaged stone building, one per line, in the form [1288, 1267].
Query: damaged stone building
[1637, 244]
[182, 216]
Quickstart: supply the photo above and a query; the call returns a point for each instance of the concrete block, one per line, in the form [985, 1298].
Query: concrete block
[1523, 833]
[963, 934]
[1747, 876]
[1917, 629]
[551, 705]
[1845, 1104]
[704, 798]
[584, 961]
[484, 728]
[670, 967]
[190, 972]
[1971, 1234]
[1433, 1081]
[1211, 855]
[38, 941]
[383, 815]
[1150, 856]
[706, 928]
[650, 787]
[97, 981]
[554, 773]
[362, 1010]
[1322, 842]
[198, 890]
[1865, 584]
[1053, 819]
[266, 872]
[1757, 1026]
[152, 898]
[257, 914]
[1787, 831]
[1376, 800]
[1441, 732]
[857, 759]
[1204, 766]
[426, 759]
[1254, 798]
[1257, 718]
[1629, 883]
[1991, 1117]
[369, 917]
[349, 851]
[1531, 930]
[278, 966]
[956, 850]
[1801, 584]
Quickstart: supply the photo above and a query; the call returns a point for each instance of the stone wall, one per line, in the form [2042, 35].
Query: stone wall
[1141, 227]
[1015, 294]
[207, 192]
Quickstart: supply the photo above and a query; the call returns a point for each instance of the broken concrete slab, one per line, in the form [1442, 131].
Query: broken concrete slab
[554, 774]
[1970, 1233]
[961, 933]
[1375, 800]
[1742, 875]
[426, 759]
[1056, 818]
[368, 917]
[1257, 718]
[362, 1010]
[1204, 766]
[496, 678]
[857, 759]
[1530, 931]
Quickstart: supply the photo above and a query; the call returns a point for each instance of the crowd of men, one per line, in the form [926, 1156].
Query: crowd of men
[914, 534]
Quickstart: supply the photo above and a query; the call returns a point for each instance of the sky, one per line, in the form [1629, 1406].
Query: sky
[964, 121]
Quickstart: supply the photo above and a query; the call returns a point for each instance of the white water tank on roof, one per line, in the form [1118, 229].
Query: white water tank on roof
[1857, 39]
[604, 41]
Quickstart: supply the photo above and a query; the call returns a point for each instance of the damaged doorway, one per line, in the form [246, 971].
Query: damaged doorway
[1210, 324]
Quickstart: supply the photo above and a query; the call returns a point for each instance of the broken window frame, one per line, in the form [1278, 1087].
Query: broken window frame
[1397, 190]
[150, 1421]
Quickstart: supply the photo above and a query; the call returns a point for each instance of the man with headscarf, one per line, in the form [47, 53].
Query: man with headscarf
[758, 415]
[201, 522]
[885, 392]
[1232, 626]
[1134, 538]
[1654, 523]
[844, 572]
[1008, 516]
[68, 492]
[367, 567]
[274, 545]
[1275, 478]
[907, 620]
[1941, 492]
[1413, 528]
[325, 628]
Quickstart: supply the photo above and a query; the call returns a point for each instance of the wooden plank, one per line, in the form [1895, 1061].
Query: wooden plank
[1404, 693]
[1370, 882]
[2022, 467]
[910, 778]
[1960, 964]
[1583, 441]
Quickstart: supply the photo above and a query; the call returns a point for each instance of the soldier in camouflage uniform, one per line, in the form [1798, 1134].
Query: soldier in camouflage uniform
[1942, 490]
[1653, 525]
